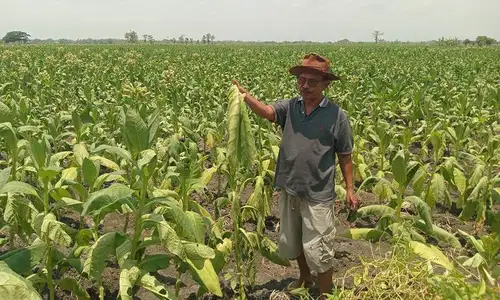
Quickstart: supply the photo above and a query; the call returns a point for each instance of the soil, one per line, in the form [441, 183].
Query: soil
[269, 277]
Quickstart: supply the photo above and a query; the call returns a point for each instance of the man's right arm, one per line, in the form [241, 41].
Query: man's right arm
[259, 108]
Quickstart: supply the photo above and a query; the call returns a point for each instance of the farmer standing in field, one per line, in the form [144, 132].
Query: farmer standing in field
[314, 130]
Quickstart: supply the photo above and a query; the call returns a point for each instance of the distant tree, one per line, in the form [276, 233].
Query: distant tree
[467, 42]
[145, 37]
[378, 36]
[483, 40]
[191, 40]
[150, 38]
[181, 39]
[131, 37]
[208, 38]
[16, 36]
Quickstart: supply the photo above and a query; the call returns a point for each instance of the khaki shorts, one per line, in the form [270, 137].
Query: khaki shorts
[307, 226]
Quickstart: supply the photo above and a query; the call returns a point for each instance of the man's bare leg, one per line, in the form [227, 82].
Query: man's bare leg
[325, 283]
[305, 273]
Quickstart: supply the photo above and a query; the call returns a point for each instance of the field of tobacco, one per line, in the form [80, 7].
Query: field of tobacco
[137, 171]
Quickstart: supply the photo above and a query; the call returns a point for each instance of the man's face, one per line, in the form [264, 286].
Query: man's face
[311, 85]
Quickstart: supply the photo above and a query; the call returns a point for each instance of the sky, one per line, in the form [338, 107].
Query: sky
[254, 20]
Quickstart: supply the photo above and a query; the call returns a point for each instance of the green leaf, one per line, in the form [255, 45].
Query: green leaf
[98, 200]
[398, 165]
[70, 284]
[18, 187]
[54, 159]
[90, 171]
[423, 209]
[105, 162]
[368, 234]
[195, 251]
[478, 245]
[77, 122]
[153, 263]
[476, 175]
[241, 145]
[23, 260]
[459, 180]
[206, 274]
[436, 191]
[439, 234]
[270, 251]
[114, 150]
[13, 286]
[153, 124]
[170, 239]
[432, 254]
[99, 252]
[479, 190]
[495, 195]
[80, 152]
[5, 113]
[375, 210]
[128, 278]
[9, 135]
[474, 261]
[55, 230]
[207, 175]
[4, 176]
[136, 131]
[150, 283]
[49, 173]
[189, 224]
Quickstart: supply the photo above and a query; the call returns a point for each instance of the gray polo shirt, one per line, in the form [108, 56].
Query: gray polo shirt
[306, 160]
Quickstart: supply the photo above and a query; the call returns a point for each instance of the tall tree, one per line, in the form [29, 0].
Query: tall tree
[16, 36]
[131, 37]
[378, 35]
[483, 40]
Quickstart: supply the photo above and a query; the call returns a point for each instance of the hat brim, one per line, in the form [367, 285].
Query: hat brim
[297, 70]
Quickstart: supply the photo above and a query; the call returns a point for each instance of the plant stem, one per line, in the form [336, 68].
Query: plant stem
[12, 234]
[14, 164]
[126, 223]
[178, 284]
[48, 265]
[138, 216]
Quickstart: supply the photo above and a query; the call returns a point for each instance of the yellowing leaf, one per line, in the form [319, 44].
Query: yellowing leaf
[432, 254]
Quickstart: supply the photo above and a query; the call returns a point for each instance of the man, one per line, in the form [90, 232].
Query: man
[314, 130]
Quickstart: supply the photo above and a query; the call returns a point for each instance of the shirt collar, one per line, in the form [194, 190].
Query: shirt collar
[323, 102]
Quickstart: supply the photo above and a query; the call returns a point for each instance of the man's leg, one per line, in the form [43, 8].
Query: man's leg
[290, 242]
[305, 277]
[325, 282]
[318, 241]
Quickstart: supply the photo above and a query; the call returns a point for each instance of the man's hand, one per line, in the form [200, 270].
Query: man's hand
[240, 88]
[352, 200]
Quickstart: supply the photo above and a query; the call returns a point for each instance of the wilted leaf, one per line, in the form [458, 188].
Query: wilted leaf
[432, 254]
[99, 252]
[13, 286]
[70, 284]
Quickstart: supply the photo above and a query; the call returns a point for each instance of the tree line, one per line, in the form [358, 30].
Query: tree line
[208, 38]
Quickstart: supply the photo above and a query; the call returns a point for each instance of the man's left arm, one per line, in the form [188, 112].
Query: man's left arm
[344, 144]
[345, 162]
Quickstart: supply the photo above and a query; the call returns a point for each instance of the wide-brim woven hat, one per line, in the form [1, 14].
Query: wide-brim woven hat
[314, 63]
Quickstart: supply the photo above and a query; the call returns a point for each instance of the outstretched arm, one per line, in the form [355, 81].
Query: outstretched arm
[259, 108]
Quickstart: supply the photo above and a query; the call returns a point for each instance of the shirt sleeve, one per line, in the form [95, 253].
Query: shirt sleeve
[344, 141]
[281, 111]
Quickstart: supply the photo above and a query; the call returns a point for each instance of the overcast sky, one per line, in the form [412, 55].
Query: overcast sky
[314, 20]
